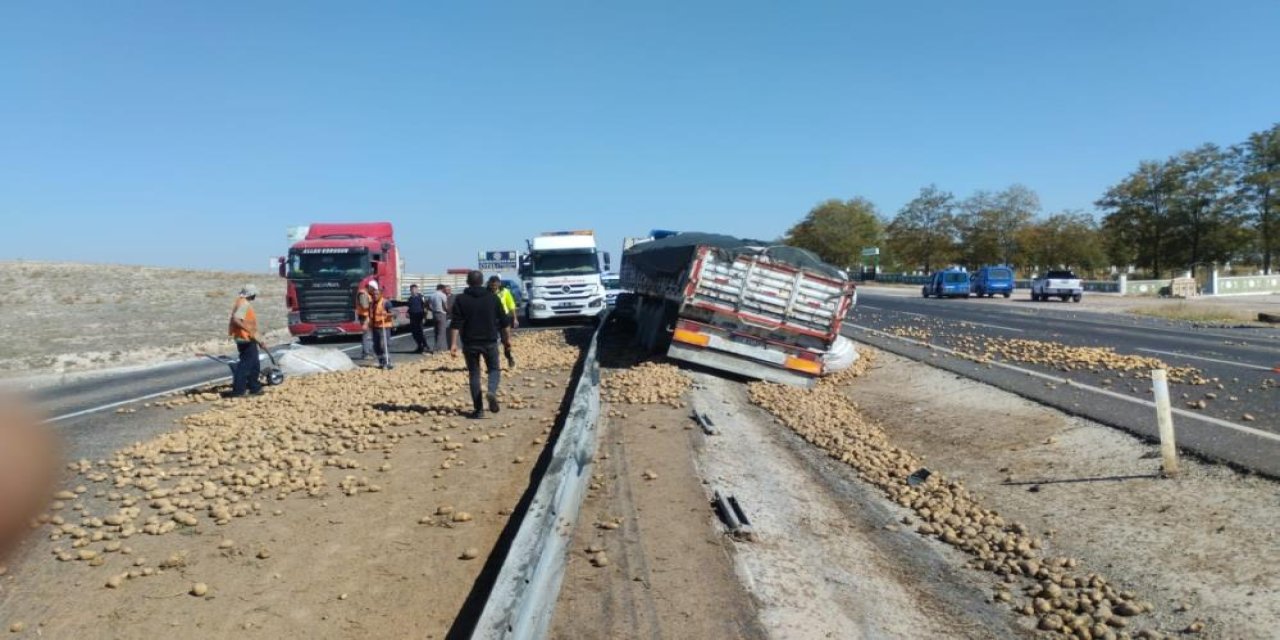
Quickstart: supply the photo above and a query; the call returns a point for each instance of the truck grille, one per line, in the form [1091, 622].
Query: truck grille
[327, 304]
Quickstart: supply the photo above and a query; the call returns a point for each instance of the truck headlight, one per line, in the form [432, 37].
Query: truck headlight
[538, 306]
[595, 303]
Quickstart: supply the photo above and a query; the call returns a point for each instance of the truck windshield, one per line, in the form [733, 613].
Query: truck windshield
[354, 265]
[999, 274]
[566, 262]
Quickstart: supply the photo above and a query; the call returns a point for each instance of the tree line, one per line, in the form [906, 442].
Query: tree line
[1209, 205]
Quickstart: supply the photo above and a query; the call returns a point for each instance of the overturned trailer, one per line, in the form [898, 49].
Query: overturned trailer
[763, 311]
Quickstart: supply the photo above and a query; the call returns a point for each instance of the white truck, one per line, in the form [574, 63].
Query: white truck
[765, 312]
[561, 276]
[1057, 284]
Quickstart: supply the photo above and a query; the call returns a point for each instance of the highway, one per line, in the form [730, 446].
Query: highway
[83, 412]
[1238, 424]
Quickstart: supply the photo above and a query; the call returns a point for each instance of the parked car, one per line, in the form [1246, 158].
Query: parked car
[1057, 284]
[948, 283]
[991, 281]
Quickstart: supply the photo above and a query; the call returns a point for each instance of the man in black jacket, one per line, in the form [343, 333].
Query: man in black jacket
[478, 321]
[417, 304]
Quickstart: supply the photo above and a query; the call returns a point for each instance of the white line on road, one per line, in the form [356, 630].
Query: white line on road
[166, 392]
[1266, 435]
[993, 326]
[1230, 362]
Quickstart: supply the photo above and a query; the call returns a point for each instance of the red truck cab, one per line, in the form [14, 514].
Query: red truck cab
[328, 266]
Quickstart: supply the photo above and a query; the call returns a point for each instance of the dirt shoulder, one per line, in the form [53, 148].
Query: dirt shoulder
[1201, 548]
[348, 505]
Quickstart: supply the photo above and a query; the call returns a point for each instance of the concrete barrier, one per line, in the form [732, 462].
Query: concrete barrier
[524, 594]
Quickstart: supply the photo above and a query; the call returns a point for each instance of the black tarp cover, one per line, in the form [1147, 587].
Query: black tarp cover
[668, 256]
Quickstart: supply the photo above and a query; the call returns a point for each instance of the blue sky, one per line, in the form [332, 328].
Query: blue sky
[179, 133]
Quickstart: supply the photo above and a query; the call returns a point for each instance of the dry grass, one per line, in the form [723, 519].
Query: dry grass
[64, 317]
[1192, 312]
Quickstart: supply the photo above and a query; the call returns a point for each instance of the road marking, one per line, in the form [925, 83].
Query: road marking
[1230, 362]
[120, 403]
[1266, 435]
[993, 326]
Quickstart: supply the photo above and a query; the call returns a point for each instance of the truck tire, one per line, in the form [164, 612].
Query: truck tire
[1076, 297]
[1035, 297]
[1064, 298]
[1006, 295]
[924, 293]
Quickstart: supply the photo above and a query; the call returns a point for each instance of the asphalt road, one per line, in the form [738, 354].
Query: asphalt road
[83, 412]
[1241, 364]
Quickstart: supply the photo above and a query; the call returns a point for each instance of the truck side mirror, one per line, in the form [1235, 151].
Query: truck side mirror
[282, 267]
[606, 261]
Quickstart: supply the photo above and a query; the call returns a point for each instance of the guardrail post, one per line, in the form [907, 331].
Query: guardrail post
[1164, 419]
[1124, 284]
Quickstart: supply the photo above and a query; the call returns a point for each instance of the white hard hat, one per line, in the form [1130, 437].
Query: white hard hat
[373, 284]
[249, 290]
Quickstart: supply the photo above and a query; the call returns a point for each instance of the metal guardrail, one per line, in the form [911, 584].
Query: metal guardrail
[524, 594]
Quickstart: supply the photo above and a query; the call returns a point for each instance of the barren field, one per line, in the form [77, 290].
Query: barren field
[347, 505]
[67, 317]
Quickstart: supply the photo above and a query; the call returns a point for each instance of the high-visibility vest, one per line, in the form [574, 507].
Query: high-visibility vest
[379, 316]
[362, 305]
[250, 321]
[508, 301]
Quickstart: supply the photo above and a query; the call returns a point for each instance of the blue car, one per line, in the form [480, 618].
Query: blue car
[992, 281]
[948, 283]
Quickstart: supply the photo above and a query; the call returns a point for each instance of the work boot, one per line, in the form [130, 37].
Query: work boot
[493, 402]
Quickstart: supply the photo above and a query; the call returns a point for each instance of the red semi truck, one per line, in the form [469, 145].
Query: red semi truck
[328, 266]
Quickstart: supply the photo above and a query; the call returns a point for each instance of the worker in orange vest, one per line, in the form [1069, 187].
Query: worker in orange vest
[362, 314]
[378, 324]
[243, 328]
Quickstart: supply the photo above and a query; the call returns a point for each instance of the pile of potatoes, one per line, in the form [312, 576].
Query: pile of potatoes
[646, 383]
[1072, 358]
[1063, 598]
[232, 459]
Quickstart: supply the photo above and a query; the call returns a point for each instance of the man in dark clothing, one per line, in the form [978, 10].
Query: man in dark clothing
[478, 321]
[417, 304]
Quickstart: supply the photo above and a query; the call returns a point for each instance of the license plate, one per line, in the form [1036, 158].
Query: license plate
[565, 305]
[747, 340]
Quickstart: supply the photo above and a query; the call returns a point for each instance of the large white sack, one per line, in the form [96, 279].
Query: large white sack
[840, 356]
[303, 361]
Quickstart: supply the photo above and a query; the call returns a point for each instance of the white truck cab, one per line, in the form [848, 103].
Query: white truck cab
[561, 275]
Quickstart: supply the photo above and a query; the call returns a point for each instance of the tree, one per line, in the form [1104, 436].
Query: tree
[1258, 159]
[1066, 239]
[1138, 220]
[990, 224]
[1204, 207]
[838, 231]
[923, 233]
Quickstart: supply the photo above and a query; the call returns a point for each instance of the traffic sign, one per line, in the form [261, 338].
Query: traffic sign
[499, 260]
[870, 251]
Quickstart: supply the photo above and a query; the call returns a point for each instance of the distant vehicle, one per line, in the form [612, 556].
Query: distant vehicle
[991, 281]
[1057, 284]
[612, 287]
[328, 266]
[561, 274]
[755, 310]
[948, 283]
